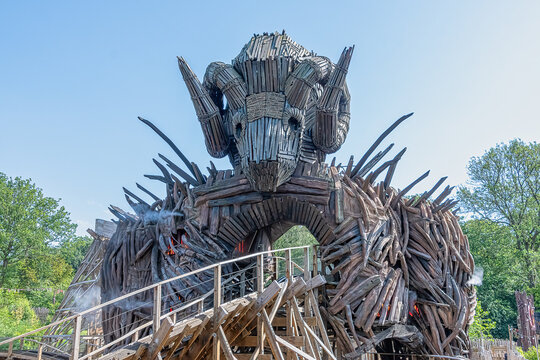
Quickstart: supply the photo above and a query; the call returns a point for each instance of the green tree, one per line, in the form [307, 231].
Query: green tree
[482, 325]
[493, 248]
[505, 190]
[31, 225]
[73, 250]
[16, 314]
[530, 354]
[297, 235]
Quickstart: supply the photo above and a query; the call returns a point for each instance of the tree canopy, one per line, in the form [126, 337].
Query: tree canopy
[32, 227]
[502, 205]
[505, 190]
[39, 253]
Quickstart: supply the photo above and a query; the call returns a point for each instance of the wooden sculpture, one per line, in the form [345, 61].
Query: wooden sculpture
[397, 267]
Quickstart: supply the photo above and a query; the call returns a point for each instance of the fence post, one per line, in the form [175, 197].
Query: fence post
[157, 308]
[289, 275]
[276, 263]
[40, 352]
[307, 276]
[315, 271]
[242, 284]
[200, 306]
[260, 288]
[217, 303]
[288, 269]
[76, 338]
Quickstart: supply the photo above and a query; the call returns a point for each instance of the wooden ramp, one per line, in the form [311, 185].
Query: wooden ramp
[280, 320]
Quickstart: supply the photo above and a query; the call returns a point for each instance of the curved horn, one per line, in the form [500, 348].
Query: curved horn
[217, 141]
[310, 71]
[228, 81]
[333, 108]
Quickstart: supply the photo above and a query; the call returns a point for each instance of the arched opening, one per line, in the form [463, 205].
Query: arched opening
[297, 235]
[259, 226]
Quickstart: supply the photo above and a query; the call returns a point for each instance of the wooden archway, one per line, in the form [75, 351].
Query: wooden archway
[268, 212]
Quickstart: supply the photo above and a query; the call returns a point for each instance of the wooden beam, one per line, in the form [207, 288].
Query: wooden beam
[159, 339]
[251, 341]
[294, 348]
[271, 336]
[217, 303]
[225, 344]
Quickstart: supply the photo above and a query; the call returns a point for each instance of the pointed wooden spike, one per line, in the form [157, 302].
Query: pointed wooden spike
[179, 171]
[156, 177]
[378, 141]
[135, 196]
[168, 141]
[409, 187]
[123, 215]
[164, 171]
[180, 185]
[198, 174]
[349, 166]
[447, 191]
[139, 208]
[392, 168]
[147, 192]
[116, 213]
[427, 194]
[374, 161]
[371, 178]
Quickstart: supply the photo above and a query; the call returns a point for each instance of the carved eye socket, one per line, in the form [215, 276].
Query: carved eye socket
[293, 123]
[238, 130]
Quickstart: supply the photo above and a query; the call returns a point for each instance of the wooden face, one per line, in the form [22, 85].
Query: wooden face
[268, 139]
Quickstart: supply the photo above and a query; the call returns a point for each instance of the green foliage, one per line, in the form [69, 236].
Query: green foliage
[493, 249]
[73, 250]
[38, 250]
[529, 354]
[482, 325]
[16, 314]
[503, 203]
[296, 236]
[505, 190]
[31, 225]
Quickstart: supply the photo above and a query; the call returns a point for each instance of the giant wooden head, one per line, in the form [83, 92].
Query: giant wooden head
[276, 105]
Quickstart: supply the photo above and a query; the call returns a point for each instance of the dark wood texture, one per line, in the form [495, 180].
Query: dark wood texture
[397, 267]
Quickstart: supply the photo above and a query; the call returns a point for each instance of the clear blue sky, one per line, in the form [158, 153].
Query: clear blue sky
[75, 75]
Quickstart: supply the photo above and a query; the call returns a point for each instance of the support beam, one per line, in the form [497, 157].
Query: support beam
[217, 303]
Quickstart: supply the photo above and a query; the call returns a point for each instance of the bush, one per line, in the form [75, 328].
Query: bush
[482, 325]
[529, 354]
[16, 313]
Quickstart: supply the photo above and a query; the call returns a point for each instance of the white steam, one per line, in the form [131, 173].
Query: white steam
[477, 276]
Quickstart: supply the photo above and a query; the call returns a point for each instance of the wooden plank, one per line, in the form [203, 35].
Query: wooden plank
[217, 303]
[280, 321]
[225, 345]
[248, 356]
[271, 336]
[251, 341]
[293, 348]
[301, 325]
[159, 339]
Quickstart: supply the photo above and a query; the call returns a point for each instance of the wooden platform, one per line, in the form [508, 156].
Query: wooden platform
[283, 319]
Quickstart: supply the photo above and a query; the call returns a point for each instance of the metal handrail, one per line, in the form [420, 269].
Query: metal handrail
[156, 286]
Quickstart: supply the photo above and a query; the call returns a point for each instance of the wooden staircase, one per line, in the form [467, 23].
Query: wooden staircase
[281, 320]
